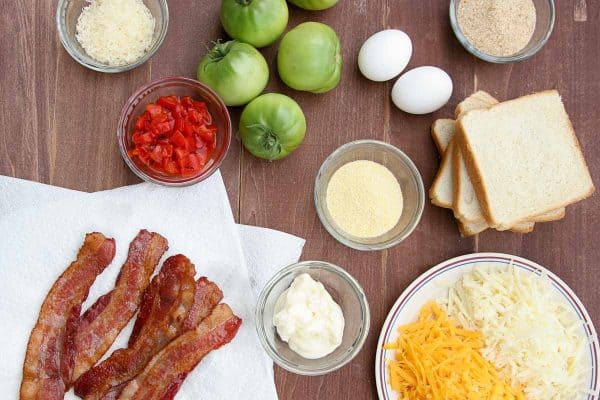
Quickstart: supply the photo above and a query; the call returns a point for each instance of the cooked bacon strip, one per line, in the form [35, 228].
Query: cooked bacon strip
[106, 380]
[206, 298]
[174, 387]
[101, 325]
[49, 352]
[180, 356]
[165, 306]
[199, 311]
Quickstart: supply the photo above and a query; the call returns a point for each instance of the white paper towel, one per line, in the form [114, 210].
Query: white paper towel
[42, 227]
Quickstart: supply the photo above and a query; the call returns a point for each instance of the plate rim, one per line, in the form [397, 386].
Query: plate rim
[486, 255]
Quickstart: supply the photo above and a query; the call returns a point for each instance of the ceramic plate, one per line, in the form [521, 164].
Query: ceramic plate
[434, 284]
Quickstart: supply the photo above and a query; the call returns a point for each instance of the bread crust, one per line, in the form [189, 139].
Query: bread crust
[481, 96]
[467, 229]
[554, 215]
[471, 229]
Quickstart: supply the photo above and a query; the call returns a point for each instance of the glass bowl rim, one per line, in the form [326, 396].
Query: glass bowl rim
[98, 66]
[520, 56]
[289, 270]
[347, 241]
[139, 94]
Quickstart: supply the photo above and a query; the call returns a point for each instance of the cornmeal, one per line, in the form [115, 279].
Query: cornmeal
[364, 199]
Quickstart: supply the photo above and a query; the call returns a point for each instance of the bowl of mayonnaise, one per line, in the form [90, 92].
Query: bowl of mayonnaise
[312, 318]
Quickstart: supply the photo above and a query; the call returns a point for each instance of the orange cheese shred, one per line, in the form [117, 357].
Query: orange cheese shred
[437, 360]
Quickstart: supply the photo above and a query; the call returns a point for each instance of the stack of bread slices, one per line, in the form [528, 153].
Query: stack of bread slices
[508, 165]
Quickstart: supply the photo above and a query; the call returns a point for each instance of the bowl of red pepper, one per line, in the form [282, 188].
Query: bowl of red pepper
[174, 131]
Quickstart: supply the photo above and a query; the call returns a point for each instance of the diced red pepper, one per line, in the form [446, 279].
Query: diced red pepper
[169, 102]
[157, 155]
[187, 102]
[154, 110]
[207, 134]
[174, 136]
[171, 167]
[178, 139]
[140, 123]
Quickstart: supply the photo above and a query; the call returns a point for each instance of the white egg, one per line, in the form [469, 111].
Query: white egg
[422, 90]
[384, 55]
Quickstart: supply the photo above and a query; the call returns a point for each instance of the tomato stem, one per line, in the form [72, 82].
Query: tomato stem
[220, 50]
[269, 141]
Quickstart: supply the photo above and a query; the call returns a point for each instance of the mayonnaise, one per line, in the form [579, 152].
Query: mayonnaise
[308, 319]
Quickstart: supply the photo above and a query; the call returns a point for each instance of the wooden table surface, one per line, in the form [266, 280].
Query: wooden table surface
[58, 122]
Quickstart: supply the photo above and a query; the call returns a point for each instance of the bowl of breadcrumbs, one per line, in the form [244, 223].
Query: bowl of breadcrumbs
[502, 31]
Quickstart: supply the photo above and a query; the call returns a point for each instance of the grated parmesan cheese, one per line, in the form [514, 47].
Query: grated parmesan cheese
[531, 336]
[364, 198]
[115, 32]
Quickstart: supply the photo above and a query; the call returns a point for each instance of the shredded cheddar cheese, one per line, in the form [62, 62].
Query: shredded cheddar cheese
[436, 360]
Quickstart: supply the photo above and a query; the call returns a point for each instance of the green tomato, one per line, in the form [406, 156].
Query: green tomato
[314, 4]
[235, 70]
[309, 58]
[257, 22]
[272, 126]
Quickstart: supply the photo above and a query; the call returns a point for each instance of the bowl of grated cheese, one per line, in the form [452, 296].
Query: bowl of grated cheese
[369, 195]
[112, 35]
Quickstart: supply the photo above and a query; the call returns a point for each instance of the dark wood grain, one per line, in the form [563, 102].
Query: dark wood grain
[59, 120]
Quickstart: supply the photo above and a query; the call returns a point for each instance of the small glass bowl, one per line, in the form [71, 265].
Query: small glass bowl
[68, 12]
[545, 15]
[177, 86]
[404, 170]
[344, 289]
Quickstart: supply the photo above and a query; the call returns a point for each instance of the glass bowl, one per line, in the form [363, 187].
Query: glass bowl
[344, 289]
[177, 86]
[404, 170]
[545, 15]
[68, 12]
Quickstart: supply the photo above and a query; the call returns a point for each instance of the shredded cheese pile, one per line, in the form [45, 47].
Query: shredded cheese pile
[436, 360]
[115, 32]
[530, 335]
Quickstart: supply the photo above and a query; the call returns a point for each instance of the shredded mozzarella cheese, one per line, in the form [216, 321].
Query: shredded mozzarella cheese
[531, 336]
[115, 32]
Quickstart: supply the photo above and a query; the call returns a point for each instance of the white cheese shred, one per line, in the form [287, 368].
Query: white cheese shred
[115, 32]
[531, 335]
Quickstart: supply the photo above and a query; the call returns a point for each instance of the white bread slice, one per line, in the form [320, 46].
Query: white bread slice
[442, 132]
[466, 206]
[523, 158]
[441, 192]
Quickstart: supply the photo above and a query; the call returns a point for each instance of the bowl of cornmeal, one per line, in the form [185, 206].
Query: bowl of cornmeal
[369, 195]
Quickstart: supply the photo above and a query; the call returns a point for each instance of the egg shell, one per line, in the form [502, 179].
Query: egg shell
[384, 55]
[422, 90]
